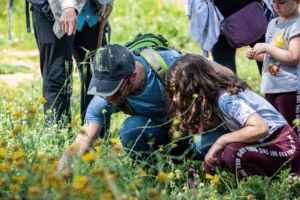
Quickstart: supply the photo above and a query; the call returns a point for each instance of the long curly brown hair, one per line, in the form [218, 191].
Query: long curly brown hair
[193, 74]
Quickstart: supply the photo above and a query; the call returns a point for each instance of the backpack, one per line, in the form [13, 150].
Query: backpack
[40, 5]
[147, 46]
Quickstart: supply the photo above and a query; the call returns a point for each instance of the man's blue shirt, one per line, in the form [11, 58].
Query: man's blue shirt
[151, 102]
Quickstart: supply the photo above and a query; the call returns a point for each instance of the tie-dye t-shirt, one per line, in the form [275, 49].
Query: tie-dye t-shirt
[277, 77]
[236, 109]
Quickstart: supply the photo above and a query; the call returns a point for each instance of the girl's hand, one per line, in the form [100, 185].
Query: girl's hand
[260, 48]
[213, 156]
[249, 54]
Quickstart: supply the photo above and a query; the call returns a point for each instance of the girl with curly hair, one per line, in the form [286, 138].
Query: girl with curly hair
[260, 140]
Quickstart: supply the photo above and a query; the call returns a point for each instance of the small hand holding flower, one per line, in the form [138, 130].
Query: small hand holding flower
[260, 48]
[213, 156]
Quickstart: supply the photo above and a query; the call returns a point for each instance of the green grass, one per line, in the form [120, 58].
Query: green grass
[10, 69]
[128, 19]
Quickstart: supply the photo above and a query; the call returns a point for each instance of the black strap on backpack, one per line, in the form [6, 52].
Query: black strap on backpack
[40, 5]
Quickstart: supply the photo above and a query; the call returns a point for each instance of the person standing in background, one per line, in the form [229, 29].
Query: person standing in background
[75, 26]
[205, 27]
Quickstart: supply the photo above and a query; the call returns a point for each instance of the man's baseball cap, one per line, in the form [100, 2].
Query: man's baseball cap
[112, 64]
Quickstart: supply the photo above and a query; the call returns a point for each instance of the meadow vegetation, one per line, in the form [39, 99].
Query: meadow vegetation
[29, 151]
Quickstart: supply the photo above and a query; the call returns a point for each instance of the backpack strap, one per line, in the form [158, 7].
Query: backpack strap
[27, 18]
[156, 62]
[11, 3]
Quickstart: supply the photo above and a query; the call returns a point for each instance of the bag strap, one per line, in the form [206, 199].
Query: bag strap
[27, 18]
[213, 2]
[11, 3]
[156, 62]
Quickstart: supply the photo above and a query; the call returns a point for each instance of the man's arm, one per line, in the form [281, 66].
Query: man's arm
[65, 13]
[88, 133]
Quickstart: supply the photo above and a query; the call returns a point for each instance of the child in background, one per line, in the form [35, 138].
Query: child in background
[281, 57]
[252, 120]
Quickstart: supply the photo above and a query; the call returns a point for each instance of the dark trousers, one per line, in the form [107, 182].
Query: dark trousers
[224, 54]
[286, 104]
[57, 66]
[248, 160]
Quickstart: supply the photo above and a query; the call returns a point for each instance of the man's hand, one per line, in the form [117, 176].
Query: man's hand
[106, 15]
[69, 21]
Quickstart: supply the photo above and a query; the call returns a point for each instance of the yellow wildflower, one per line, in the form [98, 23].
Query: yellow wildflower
[18, 114]
[151, 143]
[296, 122]
[3, 143]
[153, 194]
[38, 168]
[176, 135]
[15, 188]
[31, 112]
[89, 157]
[129, 187]
[21, 178]
[20, 164]
[174, 145]
[51, 158]
[208, 176]
[162, 177]
[41, 155]
[73, 123]
[98, 172]
[82, 132]
[1, 180]
[10, 158]
[40, 115]
[5, 167]
[19, 153]
[98, 143]
[31, 103]
[141, 172]
[15, 131]
[106, 196]
[77, 116]
[195, 96]
[15, 147]
[73, 148]
[11, 97]
[171, 175]
[89, 192]
[34, 191]
[249, 197]
[138, 181]
[160, 149]
[54, 166]
[114, 141]
[7, 112]
[244, 193]
[6, 105]
[53, 180]
[80, 184]
[216, 179]
[21, 127]
[42, 100]
[117, 149]
[2, 153]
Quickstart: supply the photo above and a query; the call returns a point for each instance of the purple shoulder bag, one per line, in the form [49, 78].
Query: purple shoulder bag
[245, 26]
